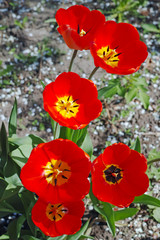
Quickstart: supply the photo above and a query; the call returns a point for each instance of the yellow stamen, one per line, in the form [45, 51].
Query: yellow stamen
[57, 172]
[110, 56]
[55, 212]
[82, 33]
[67, 106]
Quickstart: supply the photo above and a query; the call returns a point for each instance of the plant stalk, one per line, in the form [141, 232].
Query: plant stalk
[72, 59]
[55, 130]
[93, 72]
[153, 160]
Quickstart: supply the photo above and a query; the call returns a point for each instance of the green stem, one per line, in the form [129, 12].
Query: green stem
[55, 130]
[153, 160]
[72, 59]
[93, 72]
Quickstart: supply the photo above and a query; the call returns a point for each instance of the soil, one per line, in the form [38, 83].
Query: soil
[46, 57]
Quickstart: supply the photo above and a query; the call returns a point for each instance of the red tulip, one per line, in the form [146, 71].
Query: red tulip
[72, 101]
[78, 25]
[118, 175]
[118, 49]
[58, 219]
[57, 171]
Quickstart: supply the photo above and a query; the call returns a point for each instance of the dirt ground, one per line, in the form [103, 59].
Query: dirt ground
[37, 52]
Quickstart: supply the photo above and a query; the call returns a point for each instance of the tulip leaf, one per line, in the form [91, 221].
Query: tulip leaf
[95, 200]
[28, 201]
[137, 145]
[108, 214]
[4, 148]
[106, 211]
[27, 140]
[57, 238]
[4, 237]
[27, 237]
[87, 145]
[3, 185]
[146, 199]
[14, 227]
[12, 126]
[6, 207]
[21, 154]
[10, 191]
[86, 237]
[11, 172]
[124, 213]
[77, 235]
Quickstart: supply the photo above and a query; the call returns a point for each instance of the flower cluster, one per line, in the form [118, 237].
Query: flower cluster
[116, 47]
[58, 171]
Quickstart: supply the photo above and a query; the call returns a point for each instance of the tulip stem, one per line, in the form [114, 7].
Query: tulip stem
[72, 59]
[153, 160]
[55, 130]
[93, 72]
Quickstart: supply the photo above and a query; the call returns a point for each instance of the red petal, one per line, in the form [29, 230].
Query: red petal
[117, 153]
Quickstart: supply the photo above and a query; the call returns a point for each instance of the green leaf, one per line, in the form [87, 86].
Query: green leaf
[28, 200]
[93, 198]
[107, 213]
[13, 120]
[27, 237]
[87, 145]
[121, 90]
[11, 172]
[14, 228]
[77, 235]
[107, 91]
[3, 185]
[143, 96]
[58, 238]
[153, 154]
[124, 213]
[4, 148]
[25, 19]
[50, 20]
[21, 154]
[6, 207]
[86, 237]
[150, 28]
[156, 214]
[27, 140]
[137, 145]
[10, 191]
[4, 237]
[131, 94]
[148, 200]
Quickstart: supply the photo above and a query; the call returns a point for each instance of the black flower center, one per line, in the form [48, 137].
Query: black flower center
[113, 174]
